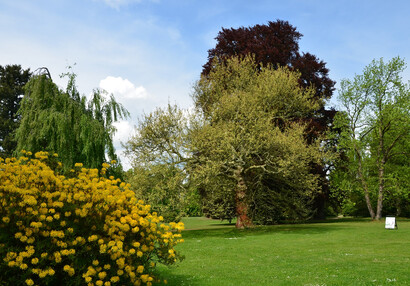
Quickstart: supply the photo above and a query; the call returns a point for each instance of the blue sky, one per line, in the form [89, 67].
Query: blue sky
[150, 52]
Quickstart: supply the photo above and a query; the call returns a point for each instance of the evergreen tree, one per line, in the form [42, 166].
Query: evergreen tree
[12, 81]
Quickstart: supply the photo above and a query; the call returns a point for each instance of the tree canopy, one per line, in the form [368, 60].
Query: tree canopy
[277, 44]
[159, 152]
[375, 128]
[12, 81]
[251, 135]
[64, 122]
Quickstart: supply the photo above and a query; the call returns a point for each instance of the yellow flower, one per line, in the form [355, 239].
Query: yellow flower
[69, 270]
[23, 266]
[115, 279]
[140, 269]
[29, 282]
[144, 278]
[49, 208]
[102, 275]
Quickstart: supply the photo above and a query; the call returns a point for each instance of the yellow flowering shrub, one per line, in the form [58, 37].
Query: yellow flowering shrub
[79, 229]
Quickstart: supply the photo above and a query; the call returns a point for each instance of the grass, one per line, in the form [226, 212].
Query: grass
[348, 252]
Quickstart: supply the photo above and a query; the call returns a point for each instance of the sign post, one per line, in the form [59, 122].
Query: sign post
[391, 222]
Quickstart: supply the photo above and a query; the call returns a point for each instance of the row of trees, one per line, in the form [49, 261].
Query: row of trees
[259, 144]
[240, 145]
[247, 154]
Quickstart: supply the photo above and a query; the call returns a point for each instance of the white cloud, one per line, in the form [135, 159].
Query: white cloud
[123, 88]
[124, 132]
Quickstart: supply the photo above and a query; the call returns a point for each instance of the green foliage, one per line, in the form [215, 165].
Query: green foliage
[63, 122]
[244, 151]
[161, 137]
[85, 228]
[375, 130]
[159, 153]
[162, 186]
[12, 80]
[250, 136]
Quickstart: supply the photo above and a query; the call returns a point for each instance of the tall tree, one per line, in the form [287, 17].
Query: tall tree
[376, 127]
[277, 44]
[159, 152]
[12, 81]
[63, 122]
[251, 134]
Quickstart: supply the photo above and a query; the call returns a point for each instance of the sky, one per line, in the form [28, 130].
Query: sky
[149, 53]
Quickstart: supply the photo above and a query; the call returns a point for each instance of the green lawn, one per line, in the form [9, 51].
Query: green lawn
[349, 252]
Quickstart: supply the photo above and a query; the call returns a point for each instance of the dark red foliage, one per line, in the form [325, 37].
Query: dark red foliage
[275, 43]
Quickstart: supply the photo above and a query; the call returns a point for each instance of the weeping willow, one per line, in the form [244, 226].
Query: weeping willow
[64, 122]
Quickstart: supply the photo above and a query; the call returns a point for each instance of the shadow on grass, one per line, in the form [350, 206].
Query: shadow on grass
[340, 219]
[166, 272]
[230, 230]
[226, 230]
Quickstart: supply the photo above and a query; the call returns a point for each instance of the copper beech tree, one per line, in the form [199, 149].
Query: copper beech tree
[277, 44]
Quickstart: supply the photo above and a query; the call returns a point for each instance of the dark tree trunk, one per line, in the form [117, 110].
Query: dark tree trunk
[381, 191]
[242, 207]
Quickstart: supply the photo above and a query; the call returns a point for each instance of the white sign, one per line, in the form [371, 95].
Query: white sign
[390, 223]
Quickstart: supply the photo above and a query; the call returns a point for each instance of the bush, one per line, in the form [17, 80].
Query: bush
[163, 187]
[80, 229]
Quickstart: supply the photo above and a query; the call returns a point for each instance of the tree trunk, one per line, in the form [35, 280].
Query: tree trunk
[242, 221]
[381, 191]
[364, 186]
[381, 161]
